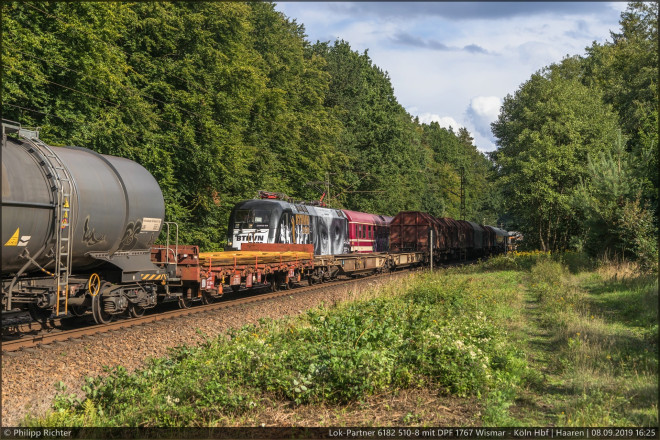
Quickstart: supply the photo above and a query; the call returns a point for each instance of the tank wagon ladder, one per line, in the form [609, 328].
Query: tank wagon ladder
[63, 219]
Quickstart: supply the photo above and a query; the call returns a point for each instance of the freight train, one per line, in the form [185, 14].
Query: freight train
[79, 233]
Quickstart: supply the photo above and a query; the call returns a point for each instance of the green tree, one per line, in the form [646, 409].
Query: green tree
[383, 175]
[293, 133]
[545, 133]
[626, 70]
[616, 221]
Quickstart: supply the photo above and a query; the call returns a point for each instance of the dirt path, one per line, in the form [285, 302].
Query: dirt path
[535, 403]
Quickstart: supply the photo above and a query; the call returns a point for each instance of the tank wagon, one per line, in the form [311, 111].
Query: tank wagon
[77, 228]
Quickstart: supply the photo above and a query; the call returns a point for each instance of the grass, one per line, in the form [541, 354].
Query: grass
[528, 339]
[595, 336]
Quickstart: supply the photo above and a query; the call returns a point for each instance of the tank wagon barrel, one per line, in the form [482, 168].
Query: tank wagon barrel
[114, 205]
[69, 213]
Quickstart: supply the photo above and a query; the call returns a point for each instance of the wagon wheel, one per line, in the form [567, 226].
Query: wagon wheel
[136, 311]
[207, 298]
[235, 288]
[274, 285]
[184, 301]
[100, 316]
[77, 310]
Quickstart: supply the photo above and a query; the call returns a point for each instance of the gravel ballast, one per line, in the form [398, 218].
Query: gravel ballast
[29, 376]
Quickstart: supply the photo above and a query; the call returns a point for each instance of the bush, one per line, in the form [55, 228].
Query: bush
[515, 260]
[576, 261]
[639, 235]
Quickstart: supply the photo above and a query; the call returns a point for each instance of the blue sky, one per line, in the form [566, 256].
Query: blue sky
[455, 62]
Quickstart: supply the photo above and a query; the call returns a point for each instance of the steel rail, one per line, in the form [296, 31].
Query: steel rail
[46, 338]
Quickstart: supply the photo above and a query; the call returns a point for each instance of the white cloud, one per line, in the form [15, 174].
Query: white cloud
[482, 111]
[443, 121]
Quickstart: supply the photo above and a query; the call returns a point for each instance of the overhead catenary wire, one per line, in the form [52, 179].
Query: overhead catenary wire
[105, 100]
[61, 118]
[40, 112]
[115, 104]
[118, 105]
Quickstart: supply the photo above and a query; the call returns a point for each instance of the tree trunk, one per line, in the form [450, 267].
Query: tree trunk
[541, 235]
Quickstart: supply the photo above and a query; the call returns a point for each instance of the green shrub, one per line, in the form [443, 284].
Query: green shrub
[515, 260]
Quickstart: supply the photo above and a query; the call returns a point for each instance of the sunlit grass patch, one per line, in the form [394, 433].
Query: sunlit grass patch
[515, 260]
[606, 357]
[445, 332]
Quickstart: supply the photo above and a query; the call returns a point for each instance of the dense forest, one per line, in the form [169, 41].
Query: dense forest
[220, 99]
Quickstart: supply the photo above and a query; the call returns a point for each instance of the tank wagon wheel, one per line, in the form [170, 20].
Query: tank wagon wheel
[136, 311]
[93, 289]
[100, 316]
[77, 310]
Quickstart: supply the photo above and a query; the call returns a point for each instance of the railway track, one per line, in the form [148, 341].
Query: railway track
[50, 336]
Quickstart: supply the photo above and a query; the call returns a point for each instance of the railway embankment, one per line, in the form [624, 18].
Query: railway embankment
[61, 368]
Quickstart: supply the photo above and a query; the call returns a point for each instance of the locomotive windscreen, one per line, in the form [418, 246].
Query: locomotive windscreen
[252, 218]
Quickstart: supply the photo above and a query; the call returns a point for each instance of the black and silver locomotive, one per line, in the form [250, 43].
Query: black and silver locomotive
[279, 221]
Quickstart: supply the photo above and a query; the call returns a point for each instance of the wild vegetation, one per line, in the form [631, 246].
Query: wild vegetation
[530, 339]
